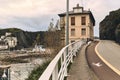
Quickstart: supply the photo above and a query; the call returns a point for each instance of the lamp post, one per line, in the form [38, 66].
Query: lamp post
[67, 23]
[6, 72]
[4, 76]
[67, 34]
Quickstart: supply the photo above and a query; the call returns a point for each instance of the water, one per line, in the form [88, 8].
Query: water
[21, 71]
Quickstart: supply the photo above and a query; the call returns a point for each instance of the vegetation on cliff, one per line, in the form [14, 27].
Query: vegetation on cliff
[110, 26]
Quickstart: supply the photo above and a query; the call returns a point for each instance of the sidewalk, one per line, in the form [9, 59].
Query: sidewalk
[79, 69]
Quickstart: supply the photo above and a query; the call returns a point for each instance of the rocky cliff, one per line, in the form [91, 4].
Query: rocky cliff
[110, 26]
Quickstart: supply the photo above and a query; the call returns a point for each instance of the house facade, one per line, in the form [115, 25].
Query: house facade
[81, 24]
[7, 41]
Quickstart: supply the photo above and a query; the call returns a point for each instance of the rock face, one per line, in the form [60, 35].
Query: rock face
[110, 26]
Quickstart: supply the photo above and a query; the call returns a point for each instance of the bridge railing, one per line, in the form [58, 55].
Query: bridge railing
[57, 69]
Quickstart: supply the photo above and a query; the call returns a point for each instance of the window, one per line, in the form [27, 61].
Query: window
[72, 41]
[72, 32]
[83, 20]
[83, 31]
[72, 20]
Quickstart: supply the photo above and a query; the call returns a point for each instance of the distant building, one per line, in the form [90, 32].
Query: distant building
[7, 41]
[12, 41]
[2, 37]
[7, 34]
[3, 45]
[38, 48]
[81, 24]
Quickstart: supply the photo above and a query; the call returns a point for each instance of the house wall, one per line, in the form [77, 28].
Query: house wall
[78, 27]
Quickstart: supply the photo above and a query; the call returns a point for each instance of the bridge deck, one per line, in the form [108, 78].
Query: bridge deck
[79, 69]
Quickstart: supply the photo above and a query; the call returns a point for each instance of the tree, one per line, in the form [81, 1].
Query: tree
[51, 25]
[57, 26]
[117, 33]
[38, 39]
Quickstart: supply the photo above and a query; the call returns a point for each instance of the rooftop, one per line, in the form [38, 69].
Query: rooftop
[78, 10]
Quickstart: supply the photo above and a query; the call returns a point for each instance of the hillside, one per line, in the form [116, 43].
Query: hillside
[110, 26]
[25, 39]
[29, 39]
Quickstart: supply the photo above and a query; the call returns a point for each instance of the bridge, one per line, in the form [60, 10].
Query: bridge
[102, 58]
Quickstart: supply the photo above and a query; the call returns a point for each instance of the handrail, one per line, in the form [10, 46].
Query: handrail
[57, 69]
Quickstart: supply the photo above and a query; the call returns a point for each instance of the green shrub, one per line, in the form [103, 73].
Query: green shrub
[36, 73]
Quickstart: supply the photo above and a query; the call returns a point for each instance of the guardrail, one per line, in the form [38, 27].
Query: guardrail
[57, 69]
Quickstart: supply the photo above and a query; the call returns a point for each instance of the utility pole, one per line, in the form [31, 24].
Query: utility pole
[67, 23]
[67, 34]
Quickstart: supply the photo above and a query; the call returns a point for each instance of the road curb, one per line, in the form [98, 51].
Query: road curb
[106, 62]
[93, 75]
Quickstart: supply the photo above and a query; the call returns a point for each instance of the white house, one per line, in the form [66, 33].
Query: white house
[7, 41]
[12, 41]
[38, 48]
[7, 34]
[3, 45]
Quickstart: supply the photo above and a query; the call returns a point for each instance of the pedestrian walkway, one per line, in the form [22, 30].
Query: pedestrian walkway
[79, 69]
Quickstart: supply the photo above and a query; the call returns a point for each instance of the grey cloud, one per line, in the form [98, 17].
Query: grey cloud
[39, 23]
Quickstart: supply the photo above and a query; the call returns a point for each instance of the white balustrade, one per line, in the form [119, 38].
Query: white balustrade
[57, 69]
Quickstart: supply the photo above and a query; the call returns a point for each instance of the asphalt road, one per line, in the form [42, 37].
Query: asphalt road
[110, 51]
[102, 71]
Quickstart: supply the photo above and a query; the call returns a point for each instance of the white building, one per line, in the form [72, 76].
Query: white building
[2, 37]
[7, 41]
[38, 48]
[12, 41]
[3, 45]
[7, 34]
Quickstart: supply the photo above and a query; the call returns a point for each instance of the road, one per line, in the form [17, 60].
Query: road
[102, 71]
[110, 53]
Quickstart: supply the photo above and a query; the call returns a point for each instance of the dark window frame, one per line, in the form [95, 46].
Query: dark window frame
[72, 20]
[72, 32]
[83, 20]
[83, 31]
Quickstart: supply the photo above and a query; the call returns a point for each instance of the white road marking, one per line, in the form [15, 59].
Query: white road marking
[97, 64]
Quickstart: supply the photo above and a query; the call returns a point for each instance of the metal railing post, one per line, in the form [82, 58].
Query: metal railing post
[65, 60]
[71, 57]
[55, 73]
[8, 73]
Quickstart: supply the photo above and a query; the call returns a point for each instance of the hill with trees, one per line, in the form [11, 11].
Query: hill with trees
[110, 26]
[28, 39]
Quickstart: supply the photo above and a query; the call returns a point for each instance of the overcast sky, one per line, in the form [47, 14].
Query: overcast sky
[35, 15]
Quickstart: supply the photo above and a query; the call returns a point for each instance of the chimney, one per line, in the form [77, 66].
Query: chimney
[77, 5]
[77, 9]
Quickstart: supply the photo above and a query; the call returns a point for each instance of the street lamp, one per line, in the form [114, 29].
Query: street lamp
[67, 34]
[4, 76]
[6, 72]
[67, 23]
